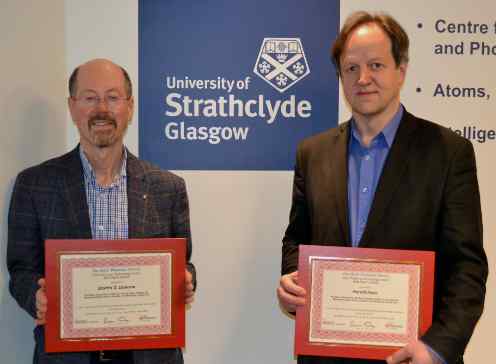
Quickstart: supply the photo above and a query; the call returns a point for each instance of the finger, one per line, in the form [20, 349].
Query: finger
[40, 318]
[41, 307]
[188, 277]
[285, 304]
[189, 295]
[289, 301]
[188, 288]
[289, 283]
[294, 276]
[189, 291]
[189, 299]
[41, 298]
[41, 283]
[401, 356]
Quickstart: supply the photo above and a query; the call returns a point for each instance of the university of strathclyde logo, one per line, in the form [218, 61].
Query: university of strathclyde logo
[281, 62]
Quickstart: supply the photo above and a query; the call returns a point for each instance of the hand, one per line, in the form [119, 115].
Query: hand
[41, 303]
[414, 353]
[189, 294]
[290, 294]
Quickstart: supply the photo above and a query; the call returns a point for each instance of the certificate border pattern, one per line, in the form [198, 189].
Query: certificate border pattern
[351, 337]
[67, 267]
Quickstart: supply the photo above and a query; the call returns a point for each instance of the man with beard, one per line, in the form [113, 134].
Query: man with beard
[388, 179]
[99, 190]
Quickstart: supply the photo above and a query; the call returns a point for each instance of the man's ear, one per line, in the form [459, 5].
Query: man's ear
[130, 106]
[71, 104]
[403, 67]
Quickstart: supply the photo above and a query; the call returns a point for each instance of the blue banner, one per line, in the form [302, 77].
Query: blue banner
[234, 85]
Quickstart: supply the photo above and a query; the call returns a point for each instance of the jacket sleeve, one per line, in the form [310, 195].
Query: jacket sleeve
[181, 223]
[461, 262]
[299, 228]
[25, 253]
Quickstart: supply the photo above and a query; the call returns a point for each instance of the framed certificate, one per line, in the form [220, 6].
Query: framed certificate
[114, 294]
[362, 303]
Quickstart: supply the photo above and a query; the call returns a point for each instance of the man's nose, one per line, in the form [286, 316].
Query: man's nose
[101, 104]
[364, 77]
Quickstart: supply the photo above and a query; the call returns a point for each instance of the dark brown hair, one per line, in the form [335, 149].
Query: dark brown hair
[396, 33]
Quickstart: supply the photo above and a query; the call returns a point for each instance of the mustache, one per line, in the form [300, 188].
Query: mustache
[102, 116]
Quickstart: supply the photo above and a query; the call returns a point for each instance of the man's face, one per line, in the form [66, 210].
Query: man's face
[101, 109]
[370, 77]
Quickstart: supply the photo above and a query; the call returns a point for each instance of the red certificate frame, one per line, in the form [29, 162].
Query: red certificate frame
[338, 325]
[151, 314]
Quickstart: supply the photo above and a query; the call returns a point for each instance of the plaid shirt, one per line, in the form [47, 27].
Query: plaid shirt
[107, 205]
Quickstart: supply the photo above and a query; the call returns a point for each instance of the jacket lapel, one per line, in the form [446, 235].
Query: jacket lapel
[394, 168]
[74, 195]
[137, 195]
[341, 179]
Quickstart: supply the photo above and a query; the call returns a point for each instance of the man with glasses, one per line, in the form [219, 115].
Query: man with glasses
[99, 190]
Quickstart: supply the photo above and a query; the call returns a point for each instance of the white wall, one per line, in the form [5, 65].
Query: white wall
[33, 122]
[237, 217]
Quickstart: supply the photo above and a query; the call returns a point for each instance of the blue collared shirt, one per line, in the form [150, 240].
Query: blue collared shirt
[107, 205]
[364, 170]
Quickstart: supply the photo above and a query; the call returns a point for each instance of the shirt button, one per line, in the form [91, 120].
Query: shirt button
[100, 227]
[365, 189]
[367, 157]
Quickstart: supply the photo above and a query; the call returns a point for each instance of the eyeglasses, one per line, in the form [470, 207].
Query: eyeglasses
[92, 101]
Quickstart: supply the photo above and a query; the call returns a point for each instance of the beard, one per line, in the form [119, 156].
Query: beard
[102, 138]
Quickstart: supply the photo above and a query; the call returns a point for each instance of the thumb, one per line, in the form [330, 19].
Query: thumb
[399, 356]
[41, 282]
[188, 277]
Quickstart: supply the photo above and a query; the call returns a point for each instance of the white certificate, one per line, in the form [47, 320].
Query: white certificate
[365, 303]
[108, 295]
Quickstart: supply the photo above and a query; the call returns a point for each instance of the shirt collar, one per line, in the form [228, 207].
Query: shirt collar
[88, 169]
[388, 133]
